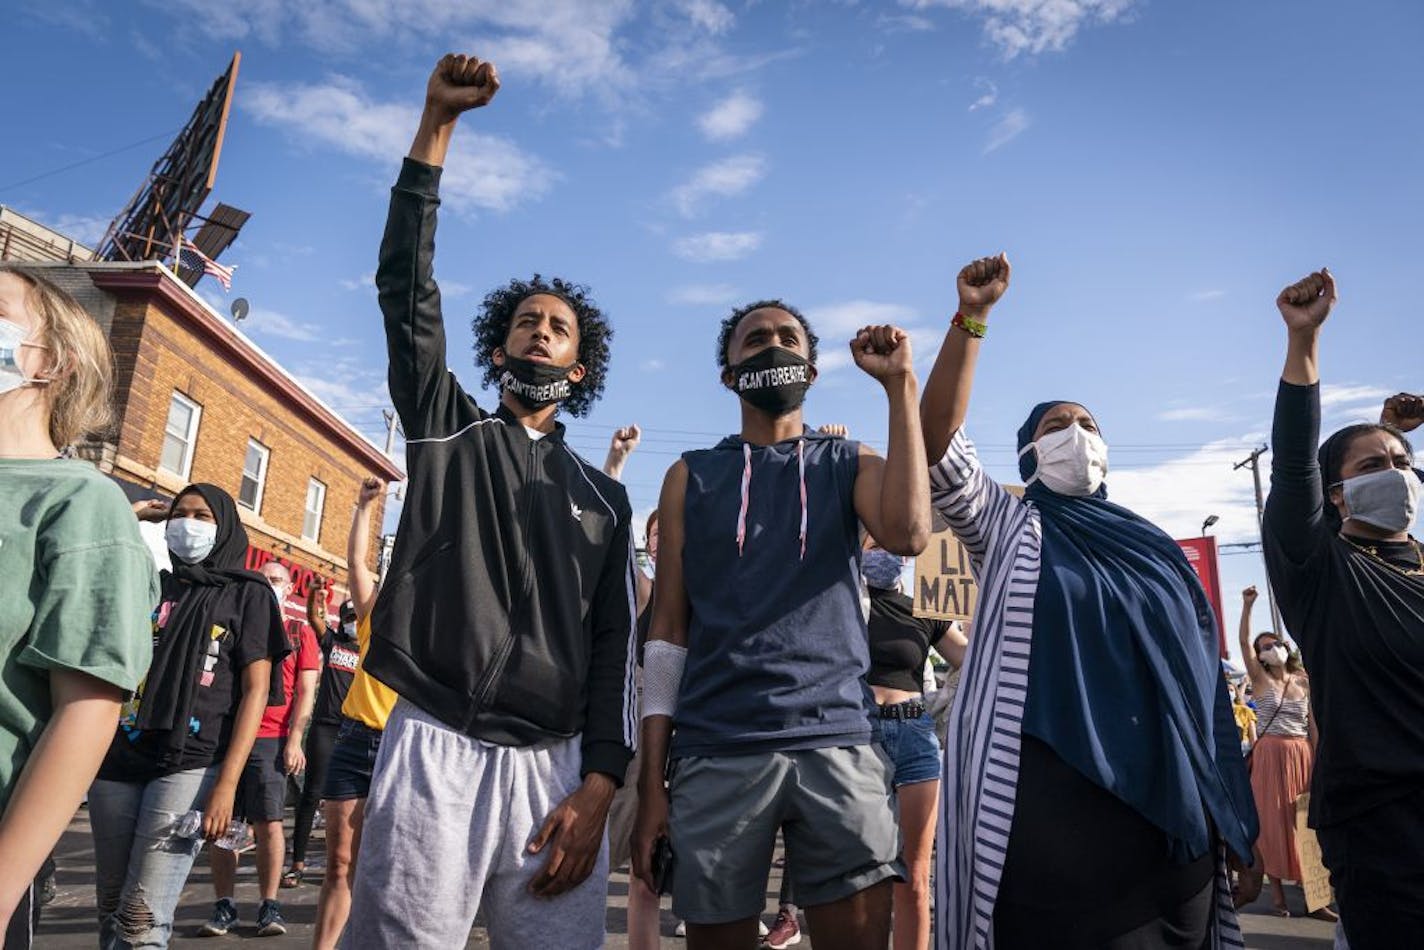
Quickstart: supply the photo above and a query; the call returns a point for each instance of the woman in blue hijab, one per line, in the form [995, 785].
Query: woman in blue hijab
[1093, 775]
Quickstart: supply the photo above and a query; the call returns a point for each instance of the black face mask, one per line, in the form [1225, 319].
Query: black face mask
[774, 380]
[535, 385]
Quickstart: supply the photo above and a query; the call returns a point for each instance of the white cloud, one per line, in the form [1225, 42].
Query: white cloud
[731, 118]
[1203, 296]
[652, 366]
[988, 98]
[723, 179]
[366, 281]
[717, 246]
[483, 171]
[272, 323]
[703, 295]
[1194, 414]
[87, 229]
[904, 23]
[1336, 397]
[1178, 495]
[1006, 130]
[709, 15]
[345, 385]
[1032, 26]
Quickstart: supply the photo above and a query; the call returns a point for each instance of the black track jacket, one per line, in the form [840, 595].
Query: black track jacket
[508, 610]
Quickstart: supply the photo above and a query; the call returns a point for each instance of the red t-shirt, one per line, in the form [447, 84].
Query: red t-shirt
[305, 655]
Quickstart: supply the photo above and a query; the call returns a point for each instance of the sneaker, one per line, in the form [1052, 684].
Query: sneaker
[761, 928]
[681, 929]
[786, 932]
[269, 920]
[224, 919]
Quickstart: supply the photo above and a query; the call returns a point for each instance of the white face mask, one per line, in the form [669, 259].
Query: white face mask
[1387, 499]
[279, 591]
[1071, 461]
[12, 337]
[1274, 656]
[189, 539]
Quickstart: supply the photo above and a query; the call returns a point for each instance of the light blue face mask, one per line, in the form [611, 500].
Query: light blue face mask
[12, 337]
[189, 539]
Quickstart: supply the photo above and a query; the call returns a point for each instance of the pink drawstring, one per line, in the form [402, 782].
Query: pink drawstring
[801, 465]
[746, 496]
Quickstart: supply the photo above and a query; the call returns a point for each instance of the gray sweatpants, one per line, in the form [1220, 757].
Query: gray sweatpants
[446, 832]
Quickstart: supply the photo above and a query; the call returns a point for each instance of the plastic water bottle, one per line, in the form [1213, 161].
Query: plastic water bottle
[236, 836]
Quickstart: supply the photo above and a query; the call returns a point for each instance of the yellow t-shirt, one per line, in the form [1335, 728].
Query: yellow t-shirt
[1245, 719]
[369, 701]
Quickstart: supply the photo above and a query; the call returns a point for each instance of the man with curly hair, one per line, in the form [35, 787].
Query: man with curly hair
[758, 649]
[506, 621]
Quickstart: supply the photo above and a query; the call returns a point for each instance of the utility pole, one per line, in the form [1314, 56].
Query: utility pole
[391, 423]
[1254, 460]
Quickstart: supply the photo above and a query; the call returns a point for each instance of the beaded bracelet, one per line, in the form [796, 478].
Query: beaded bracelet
[975, 328]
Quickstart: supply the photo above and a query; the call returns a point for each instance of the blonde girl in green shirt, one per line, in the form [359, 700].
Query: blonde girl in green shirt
[77, 585]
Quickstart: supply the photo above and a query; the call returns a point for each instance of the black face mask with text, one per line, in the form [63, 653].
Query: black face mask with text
[774, 380]
[535, 385]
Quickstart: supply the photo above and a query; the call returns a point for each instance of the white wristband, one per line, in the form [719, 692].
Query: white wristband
[662, 677]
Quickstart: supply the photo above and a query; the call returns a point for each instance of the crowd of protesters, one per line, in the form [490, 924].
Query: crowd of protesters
[523, 705]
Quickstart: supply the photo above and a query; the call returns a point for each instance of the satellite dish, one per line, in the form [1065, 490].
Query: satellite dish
[239, 309]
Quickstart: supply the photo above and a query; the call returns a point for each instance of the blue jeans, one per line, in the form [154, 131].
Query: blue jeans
[912, 746]
[140, 866]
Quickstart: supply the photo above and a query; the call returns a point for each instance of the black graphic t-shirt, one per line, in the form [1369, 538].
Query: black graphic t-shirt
[340, 655]
[238, 633]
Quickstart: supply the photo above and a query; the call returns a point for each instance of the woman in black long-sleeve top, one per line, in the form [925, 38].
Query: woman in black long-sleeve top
[1350, 582]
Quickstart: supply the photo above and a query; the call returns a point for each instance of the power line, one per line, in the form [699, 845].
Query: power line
[90, 160]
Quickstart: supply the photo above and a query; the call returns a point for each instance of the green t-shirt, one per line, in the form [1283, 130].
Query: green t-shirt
[77, 592]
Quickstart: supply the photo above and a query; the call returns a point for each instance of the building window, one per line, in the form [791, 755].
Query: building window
[254, 475]
[179, 434]
[316, 500]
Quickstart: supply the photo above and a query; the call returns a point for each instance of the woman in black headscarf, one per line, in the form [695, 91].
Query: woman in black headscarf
[1349, 579]
[1093, 771]
[182, 742]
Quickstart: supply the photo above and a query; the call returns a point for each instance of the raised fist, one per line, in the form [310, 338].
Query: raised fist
[1403, 411]
[371, 489]
[882, 352]
[982, 283]
[626, 439]
[1249, 595]
[154, 509]
[460, 83]
[1306, 303]
[834, 429]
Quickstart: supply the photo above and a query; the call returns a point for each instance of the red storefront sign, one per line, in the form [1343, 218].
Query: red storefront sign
[1201, 555]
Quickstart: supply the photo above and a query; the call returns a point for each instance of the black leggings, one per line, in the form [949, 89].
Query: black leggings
[321, 737]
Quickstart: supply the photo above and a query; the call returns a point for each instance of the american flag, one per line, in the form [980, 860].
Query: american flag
[195, 259]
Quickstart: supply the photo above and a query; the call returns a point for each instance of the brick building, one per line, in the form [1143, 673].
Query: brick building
[197, 401]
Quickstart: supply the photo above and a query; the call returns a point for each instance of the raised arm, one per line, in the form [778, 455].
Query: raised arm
[623, 444]
[421, 386]
[1248, 655]
[892, 497]
[946, 401]
[1294, 514]
[358, 545]
[670, 620]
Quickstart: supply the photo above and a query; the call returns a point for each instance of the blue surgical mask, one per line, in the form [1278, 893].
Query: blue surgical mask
[881, 569]
[189, 539]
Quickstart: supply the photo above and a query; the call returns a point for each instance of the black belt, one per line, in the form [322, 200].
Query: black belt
[909, 709]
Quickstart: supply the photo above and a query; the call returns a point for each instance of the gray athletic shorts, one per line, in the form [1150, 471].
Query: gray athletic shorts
[833, 806]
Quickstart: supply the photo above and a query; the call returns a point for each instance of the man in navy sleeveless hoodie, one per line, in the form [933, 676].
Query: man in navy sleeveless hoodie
[758, 651]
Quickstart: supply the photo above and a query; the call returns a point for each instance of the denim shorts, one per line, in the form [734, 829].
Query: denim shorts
[912, 747]
[262, 792]
[353, 758]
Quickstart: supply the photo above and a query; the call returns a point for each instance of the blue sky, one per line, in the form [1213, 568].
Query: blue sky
[1155, 170]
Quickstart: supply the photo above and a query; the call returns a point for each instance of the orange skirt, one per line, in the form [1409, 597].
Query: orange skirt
[1280, 773]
